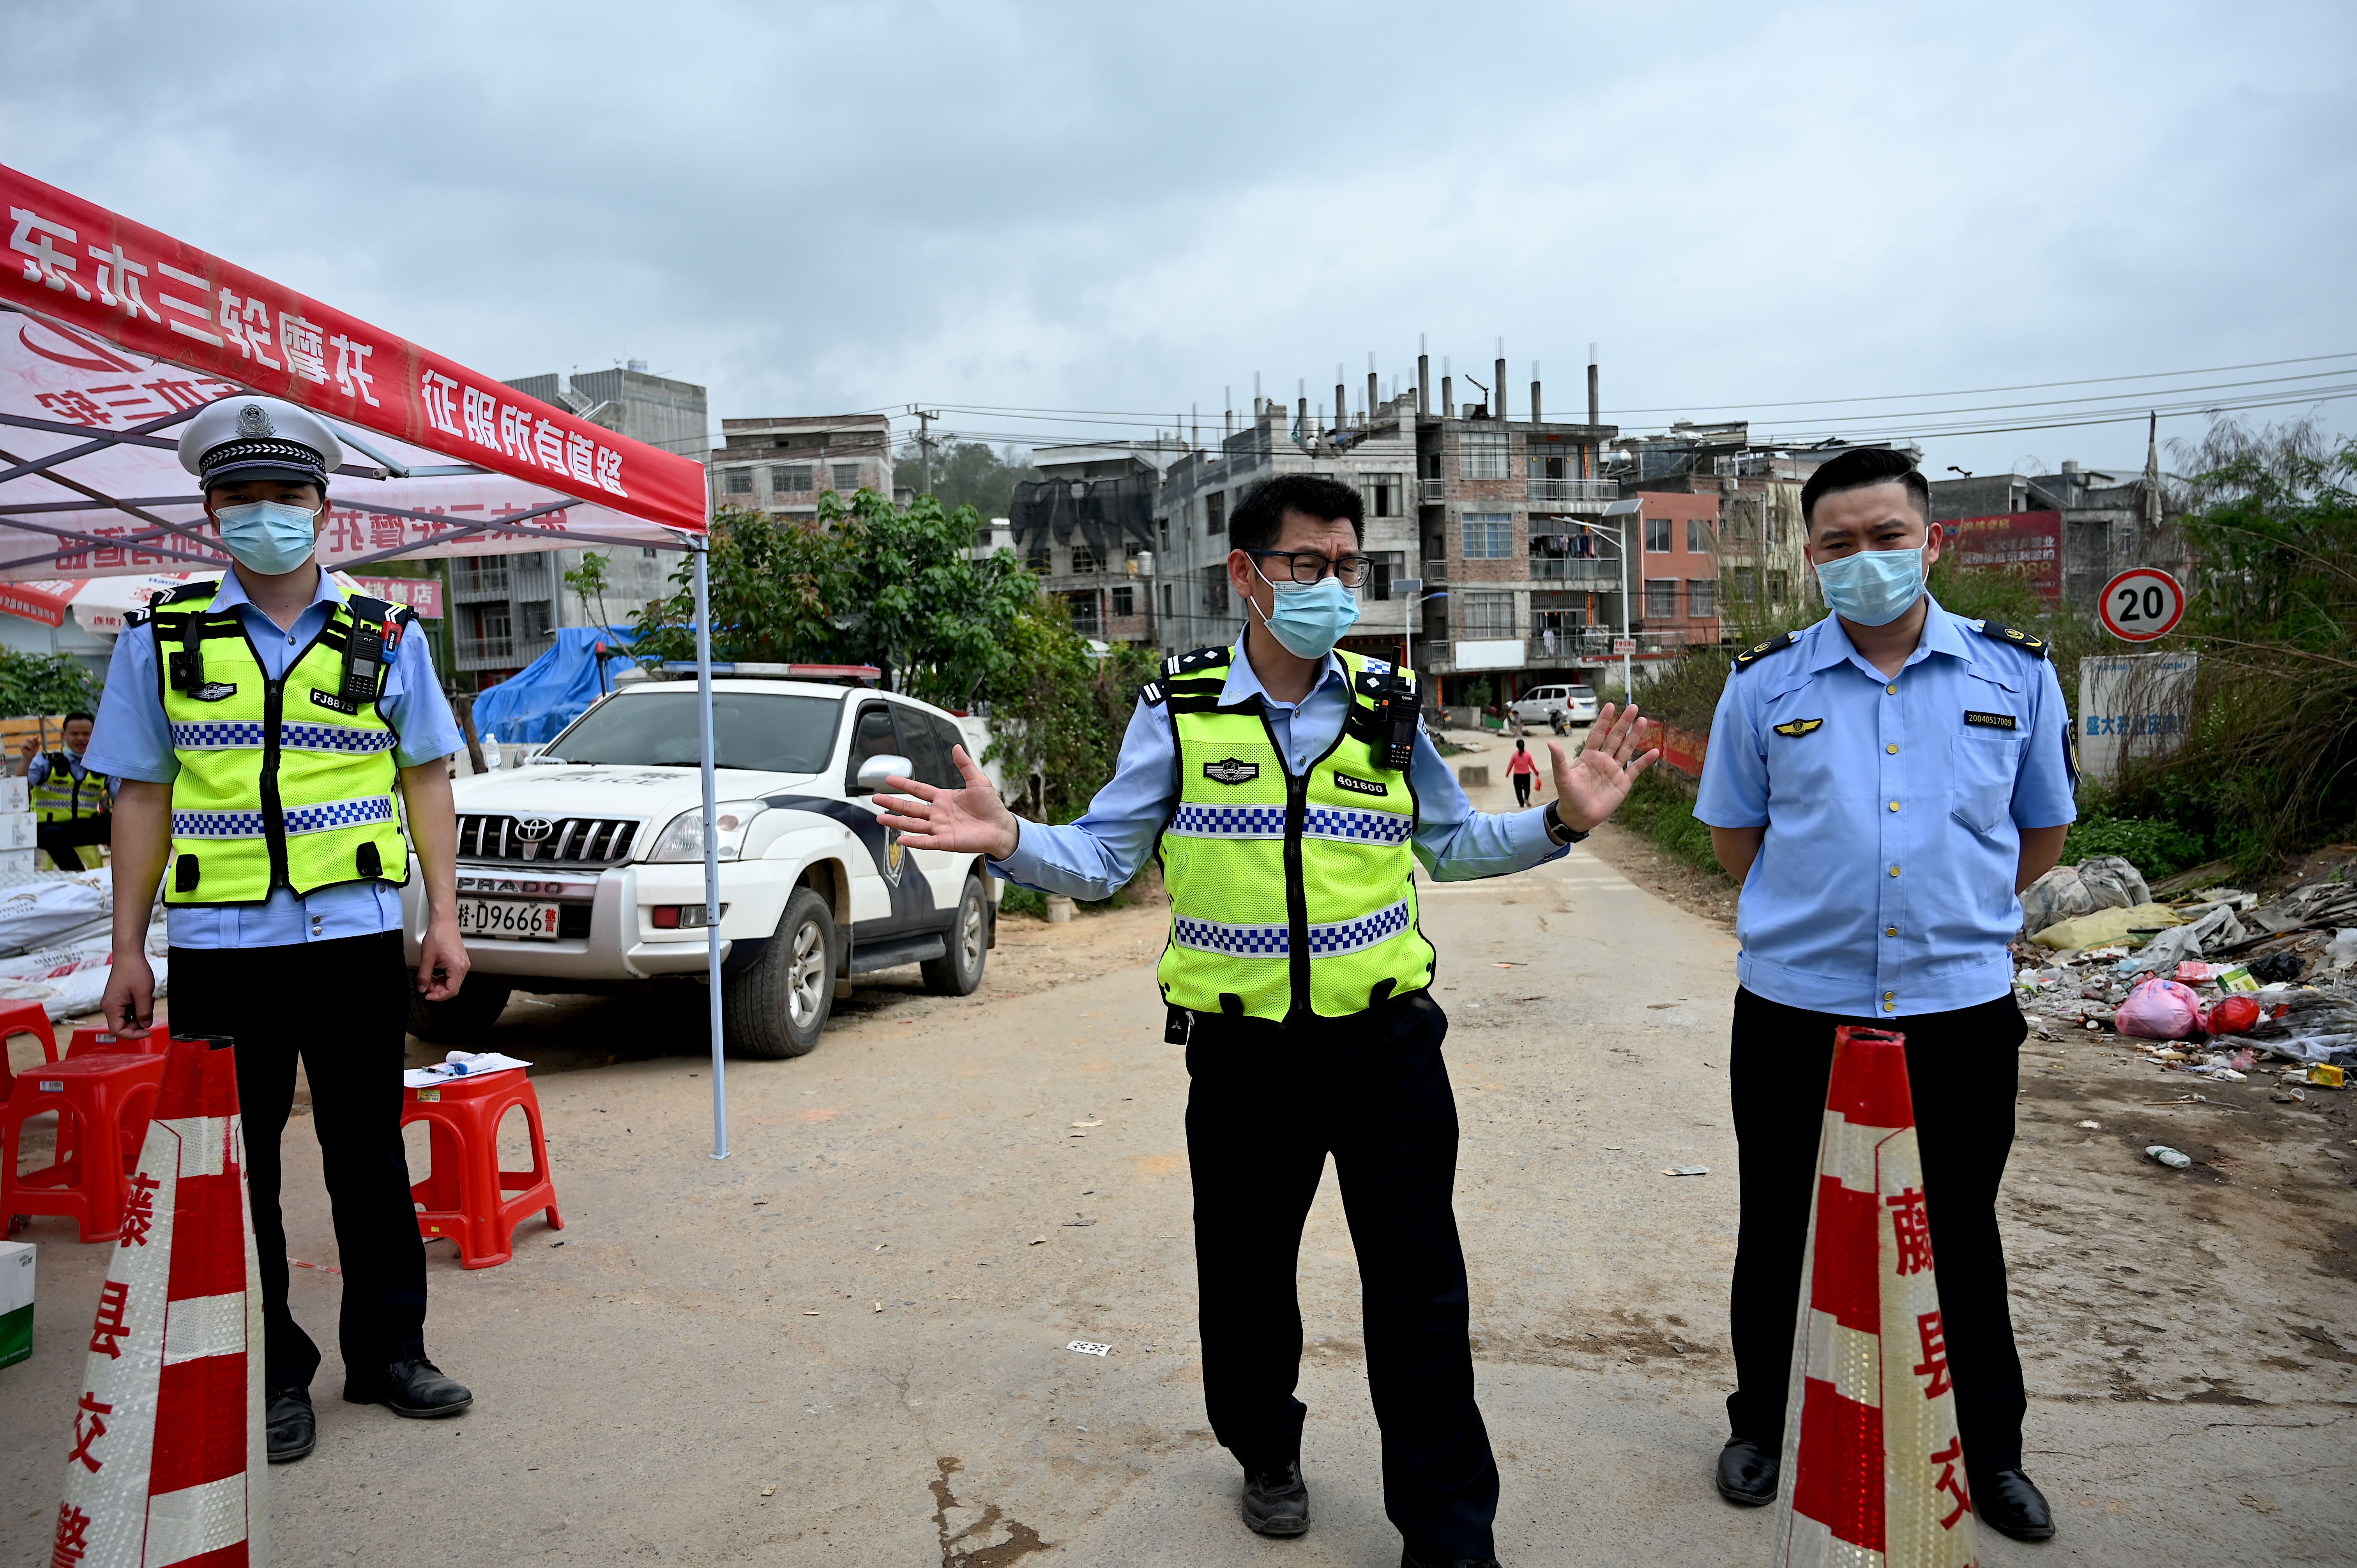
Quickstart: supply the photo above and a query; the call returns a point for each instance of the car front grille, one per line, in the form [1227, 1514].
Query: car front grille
[557, 841]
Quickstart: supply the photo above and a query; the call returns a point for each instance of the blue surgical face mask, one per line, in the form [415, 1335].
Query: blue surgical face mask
[269, 537]
[1873, 587]
[1308, 618]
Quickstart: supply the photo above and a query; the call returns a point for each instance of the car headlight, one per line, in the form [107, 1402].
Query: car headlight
[683, 839]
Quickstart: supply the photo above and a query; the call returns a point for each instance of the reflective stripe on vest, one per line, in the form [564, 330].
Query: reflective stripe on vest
[61, 797]
[281, 782]
[1291, 894]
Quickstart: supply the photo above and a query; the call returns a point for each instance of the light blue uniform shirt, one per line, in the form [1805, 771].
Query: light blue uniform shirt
[133, 740]
[1894, 809]
[1095, 855]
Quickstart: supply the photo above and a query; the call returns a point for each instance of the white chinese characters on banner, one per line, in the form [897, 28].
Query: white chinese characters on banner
[517, 432]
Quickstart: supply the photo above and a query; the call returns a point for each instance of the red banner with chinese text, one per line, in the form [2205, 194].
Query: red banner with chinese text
[82, 264]
[2028, 543]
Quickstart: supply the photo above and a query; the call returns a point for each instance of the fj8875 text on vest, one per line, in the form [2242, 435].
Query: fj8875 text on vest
[1290, 895]
[288, 782]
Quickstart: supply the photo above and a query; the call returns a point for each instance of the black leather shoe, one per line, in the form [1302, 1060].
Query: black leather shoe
[1746, 1473]
[1277, 1502]
[415, 1389]
[1408, 1558]
[2010, 1503]
[289, 1427]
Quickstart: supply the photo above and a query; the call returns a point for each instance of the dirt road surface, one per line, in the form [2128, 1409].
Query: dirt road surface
[847, 1344]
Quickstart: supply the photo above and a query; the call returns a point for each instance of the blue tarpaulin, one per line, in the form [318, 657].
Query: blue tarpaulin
[555, 689]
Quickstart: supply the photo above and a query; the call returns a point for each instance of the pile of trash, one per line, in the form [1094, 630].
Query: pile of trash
[2207, 980]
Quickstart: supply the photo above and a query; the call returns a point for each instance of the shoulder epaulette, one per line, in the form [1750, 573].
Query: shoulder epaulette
[186, 593]
[2033, 646]
[364, 608]
[1756, 651]
[137, 618]
[1202, 659]
[1154, 693]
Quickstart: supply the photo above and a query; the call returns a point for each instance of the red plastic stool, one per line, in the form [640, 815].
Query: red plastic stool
[94, 1042]
[23, 1018]
[102, 1105]
[464, 1197]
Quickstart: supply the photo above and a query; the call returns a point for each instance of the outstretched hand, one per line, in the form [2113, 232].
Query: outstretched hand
[960, 821]
[1591, 786]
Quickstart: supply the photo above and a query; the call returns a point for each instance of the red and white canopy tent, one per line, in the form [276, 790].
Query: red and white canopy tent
[112, 334]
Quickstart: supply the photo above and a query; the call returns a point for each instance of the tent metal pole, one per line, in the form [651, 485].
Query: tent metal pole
[711, 845]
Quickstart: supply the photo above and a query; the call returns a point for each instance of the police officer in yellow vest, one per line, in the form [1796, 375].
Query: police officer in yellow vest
[1291, 791]
[272, 736]
[71, 803]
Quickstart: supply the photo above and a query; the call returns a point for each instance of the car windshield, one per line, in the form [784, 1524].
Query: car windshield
[766, 732]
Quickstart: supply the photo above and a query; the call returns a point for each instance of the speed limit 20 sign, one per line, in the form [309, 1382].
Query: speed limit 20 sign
[2141, 604]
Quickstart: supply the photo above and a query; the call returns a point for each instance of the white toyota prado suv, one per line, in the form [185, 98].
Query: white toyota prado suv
[583, 869]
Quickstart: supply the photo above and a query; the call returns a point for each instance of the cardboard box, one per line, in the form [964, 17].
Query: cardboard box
[15, 1302]
[16, 794]
[17, 830]
[16, 867]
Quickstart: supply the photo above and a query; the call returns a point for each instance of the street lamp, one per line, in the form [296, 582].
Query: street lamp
[1414, 588]
[1634, 512]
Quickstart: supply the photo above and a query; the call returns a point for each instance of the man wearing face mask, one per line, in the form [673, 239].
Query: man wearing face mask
[1883, 784]
[272, 734]
[1291, 791]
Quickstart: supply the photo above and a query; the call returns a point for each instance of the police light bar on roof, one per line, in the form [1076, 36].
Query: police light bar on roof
[850, 674]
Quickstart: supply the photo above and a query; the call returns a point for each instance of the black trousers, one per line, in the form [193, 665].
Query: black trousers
[1963, 1067]
[1266, 1105]
[1522, 788]
[340, 1007]
[63, 840]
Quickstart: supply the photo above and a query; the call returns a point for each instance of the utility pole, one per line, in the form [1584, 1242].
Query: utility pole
[925, 417]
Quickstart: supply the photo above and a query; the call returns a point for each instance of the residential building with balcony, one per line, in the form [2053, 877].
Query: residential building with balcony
[504, 610]
[1086, 528]
[1193, 605]
[782, 466]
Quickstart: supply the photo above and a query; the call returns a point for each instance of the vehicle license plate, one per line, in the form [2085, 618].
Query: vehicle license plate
[510, 918]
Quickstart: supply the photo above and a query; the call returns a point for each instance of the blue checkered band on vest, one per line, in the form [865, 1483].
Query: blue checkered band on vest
[241, 736]
[1360, 826]
[217, 824]
[335, 737]
[340, 815]
[246, 735]
[1275, 941]
[1228, 821]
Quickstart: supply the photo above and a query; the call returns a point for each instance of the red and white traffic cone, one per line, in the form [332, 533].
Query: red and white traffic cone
[1874, 1468]
[166, 1462]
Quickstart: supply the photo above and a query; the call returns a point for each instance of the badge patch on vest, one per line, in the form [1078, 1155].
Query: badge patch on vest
[1359, 785]
[1801, 726]
[214, 690]
[1990, 721]
[330, 700]
[1232, 770]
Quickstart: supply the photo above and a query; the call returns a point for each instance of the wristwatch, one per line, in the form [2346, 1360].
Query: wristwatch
[1556, 832]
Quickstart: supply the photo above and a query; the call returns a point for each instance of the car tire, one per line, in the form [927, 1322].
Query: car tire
[957, 972]
[778, 1006]
[465, 1016]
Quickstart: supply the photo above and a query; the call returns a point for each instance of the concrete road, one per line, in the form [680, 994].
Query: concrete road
[846, 1344]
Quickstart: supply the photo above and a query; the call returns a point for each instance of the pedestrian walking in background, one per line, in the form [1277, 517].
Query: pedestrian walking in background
[1292, 792]
[1523, 770]
[1883, 784]
[272, 735]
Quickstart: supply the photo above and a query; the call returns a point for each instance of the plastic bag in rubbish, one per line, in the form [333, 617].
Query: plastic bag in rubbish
[2217, 927]
[2342, 951]
[2112, 883]
[2098, 882]
[2230, 1015]
[2159, 1010]
[2105, 926]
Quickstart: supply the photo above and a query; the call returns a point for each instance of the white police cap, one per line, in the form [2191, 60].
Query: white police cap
[259, 438]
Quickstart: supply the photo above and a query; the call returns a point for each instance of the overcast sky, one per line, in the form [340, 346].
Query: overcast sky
[812, 209]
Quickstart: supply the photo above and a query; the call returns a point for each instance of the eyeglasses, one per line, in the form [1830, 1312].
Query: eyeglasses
[1307, 566]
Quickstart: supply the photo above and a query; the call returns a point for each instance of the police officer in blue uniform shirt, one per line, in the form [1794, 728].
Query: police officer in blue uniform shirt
[318, 977]
[72, 802]
[1883, 784]
[1271, 1097]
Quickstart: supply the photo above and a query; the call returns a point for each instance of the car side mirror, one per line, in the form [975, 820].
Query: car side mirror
[872, 773]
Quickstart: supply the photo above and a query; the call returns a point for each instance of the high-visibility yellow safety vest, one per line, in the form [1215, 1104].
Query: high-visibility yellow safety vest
[1290, 895]
[63, 797]
[289, 782]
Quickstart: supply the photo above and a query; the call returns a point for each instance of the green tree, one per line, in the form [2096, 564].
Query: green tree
[869, 584]
[1058, 712]
[44, 683]
[969, 474]
[588, 580]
